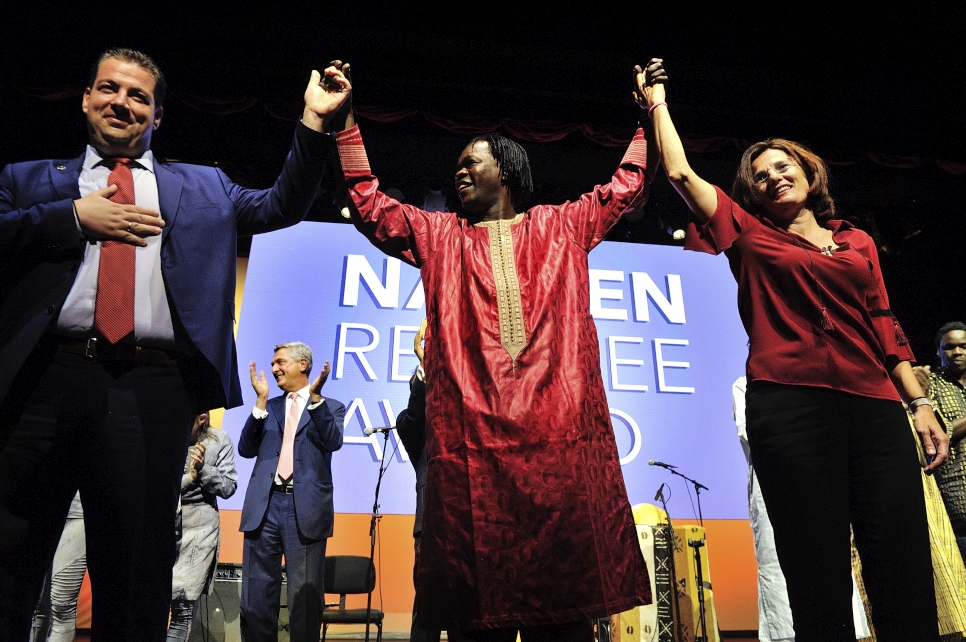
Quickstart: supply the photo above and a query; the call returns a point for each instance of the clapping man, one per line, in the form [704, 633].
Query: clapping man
[288, 506]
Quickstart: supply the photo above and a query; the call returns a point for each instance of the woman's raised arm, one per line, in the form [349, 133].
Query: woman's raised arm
[699, 194]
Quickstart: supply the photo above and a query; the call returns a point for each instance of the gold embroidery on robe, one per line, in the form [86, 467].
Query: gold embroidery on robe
[513, 335]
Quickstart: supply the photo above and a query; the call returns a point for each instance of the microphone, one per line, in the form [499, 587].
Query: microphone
[661, 464]
[370, 431]
[659, 495]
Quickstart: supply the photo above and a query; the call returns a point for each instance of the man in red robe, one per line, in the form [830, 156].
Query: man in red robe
[527, 524]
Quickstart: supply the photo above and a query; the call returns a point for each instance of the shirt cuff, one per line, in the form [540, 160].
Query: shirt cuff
[352, 153]
[80, 230]
[636, 153]
[204, 475]
[313, 406]
[258, 413]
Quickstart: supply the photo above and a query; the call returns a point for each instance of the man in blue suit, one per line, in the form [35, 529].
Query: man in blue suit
[104, 364]
[288, 506]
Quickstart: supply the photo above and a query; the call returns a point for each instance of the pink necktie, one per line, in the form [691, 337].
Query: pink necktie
[114, 306]
[285, 465]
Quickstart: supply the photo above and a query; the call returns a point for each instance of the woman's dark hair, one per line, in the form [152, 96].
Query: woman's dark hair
[514, 167]
[745, 194]
[949, 327]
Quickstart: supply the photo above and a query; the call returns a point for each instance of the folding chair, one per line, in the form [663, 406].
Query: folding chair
[346, 575]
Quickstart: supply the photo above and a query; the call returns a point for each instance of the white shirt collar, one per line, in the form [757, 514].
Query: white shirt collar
[303, 393]
[92, 157]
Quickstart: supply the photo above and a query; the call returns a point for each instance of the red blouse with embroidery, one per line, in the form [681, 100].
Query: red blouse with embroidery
[812, 319]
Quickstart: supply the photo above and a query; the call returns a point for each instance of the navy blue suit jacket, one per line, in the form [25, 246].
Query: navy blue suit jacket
[319, 434]
[411, 427]
[41, 249]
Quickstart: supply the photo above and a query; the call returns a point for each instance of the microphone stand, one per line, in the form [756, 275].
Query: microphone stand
[697, 491]
[696, 545]
[372, 530]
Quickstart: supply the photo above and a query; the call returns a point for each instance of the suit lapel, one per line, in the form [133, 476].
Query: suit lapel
[170, 185]
[304, 419]
[278, 413]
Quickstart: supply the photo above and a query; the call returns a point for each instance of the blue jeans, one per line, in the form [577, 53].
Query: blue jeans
[56, 616]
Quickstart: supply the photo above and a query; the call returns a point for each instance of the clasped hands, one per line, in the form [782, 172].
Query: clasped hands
[328, 98]
[197, 455]
[650, 83]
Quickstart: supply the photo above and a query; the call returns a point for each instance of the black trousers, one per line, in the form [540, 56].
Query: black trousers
[826, 459]
[119, 433]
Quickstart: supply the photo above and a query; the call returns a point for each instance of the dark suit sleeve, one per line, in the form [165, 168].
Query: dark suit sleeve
[32, 220]
[251, 437]
[411, 422]
[326, 429]
[288, 201]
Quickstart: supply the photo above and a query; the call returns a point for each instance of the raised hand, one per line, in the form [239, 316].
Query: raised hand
[101, 218]
[418, 342]
[650, 83]
[326, 95]
[260, 384]
[316, 387]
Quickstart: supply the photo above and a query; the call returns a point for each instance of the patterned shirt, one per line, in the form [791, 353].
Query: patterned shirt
[949, 397]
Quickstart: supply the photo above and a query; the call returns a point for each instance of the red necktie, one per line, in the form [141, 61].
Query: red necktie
[114, 308]
[285, 458]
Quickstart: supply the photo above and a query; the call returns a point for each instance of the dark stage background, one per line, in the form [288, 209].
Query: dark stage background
[879, 93]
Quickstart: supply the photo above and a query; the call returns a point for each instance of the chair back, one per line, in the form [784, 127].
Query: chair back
[348, 574]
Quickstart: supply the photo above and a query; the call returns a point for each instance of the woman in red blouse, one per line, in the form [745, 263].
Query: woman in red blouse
[827, 366]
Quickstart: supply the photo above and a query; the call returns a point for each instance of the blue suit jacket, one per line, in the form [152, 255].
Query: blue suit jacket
[319, 434]
[411, 428]
[204, 212]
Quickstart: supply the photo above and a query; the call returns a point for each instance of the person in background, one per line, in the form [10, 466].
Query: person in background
[55, 618]
[289, 504]
[209, 473]
[827, 369]
[947, 389]
[411, 426]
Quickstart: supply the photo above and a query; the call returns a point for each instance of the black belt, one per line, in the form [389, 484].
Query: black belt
[103, 350]
[288, 490]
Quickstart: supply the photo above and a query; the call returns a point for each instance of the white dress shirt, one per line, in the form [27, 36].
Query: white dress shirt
[302, 399]
[152, 317]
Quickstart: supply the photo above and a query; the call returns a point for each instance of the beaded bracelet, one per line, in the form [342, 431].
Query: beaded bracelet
[919, 401]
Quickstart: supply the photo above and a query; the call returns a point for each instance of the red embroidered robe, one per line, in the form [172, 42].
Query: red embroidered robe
[527, 519]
